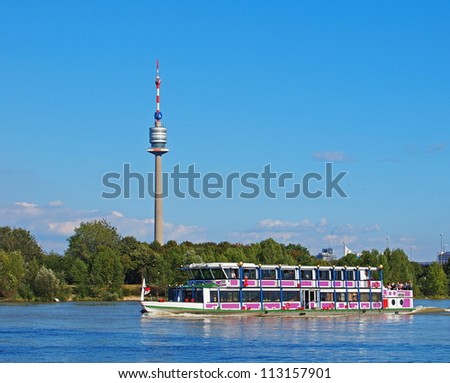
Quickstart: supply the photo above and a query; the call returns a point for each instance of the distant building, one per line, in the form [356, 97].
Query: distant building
[326, 254]
[443, 258]
[425, 264]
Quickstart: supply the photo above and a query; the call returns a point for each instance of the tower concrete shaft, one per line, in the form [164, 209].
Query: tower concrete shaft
[159, 229]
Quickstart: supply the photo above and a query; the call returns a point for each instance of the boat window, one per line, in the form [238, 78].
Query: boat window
[229, 296]
[197, 273]
[365, 297]
[207, 274]
[268, 274]
[190, 274]
[271, 296]
[218, 274]
[249, 273]
[251, 296]
[232, 273]
[327, 297]
[338, 275]
[350, 275]
[198, 295]
[288, 274]
[213, 297]
[324, 275]
[341, 297]
[191, 295]
[175, 294]
[376, 297]
[363, 275]
[291, 295]
[306, 274]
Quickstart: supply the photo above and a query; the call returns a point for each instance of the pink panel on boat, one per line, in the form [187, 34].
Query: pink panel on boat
[272, 306]
[342, 305]
[251, 306]
[306, 283]
[251, 282]
[291, 305]
[211, 305]
[339, 284]
[407, 303]
[350, 284]
[230, 306]
[365, 305]
[234, 282]
[288, 283]
[269, 283]
[324, 283]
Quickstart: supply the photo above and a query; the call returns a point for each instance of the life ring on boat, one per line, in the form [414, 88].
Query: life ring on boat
[376, 284]
[245, 281]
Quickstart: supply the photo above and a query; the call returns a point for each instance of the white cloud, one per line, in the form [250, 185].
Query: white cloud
[257, 236]
[53, 224]
[66, 228]
[26, 204]
[303, 231]
[56, 203]
[339, 239]
[276, 223]
[314, 235]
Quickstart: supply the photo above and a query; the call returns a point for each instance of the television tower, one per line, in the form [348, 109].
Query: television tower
[158, 140]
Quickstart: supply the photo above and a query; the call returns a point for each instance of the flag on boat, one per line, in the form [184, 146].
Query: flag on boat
[146, 290]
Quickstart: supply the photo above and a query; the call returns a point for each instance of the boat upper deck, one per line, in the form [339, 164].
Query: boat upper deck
[252, 275]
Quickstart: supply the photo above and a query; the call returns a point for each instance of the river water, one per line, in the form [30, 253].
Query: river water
[117, 332]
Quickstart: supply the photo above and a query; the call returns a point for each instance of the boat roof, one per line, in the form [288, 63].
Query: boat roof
[211, 265]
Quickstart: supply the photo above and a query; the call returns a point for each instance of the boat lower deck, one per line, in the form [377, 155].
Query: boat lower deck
[149, 308]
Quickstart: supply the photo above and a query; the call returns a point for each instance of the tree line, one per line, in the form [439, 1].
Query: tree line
[99, 263]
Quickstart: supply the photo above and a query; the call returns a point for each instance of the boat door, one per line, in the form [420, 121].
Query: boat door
[309, 298]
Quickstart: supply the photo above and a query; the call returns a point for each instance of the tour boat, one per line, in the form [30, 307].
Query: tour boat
[250, 289]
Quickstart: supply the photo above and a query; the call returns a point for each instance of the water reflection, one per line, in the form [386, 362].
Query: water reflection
[274, 339]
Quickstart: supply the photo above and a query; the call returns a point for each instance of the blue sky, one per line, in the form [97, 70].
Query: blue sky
[293, 84]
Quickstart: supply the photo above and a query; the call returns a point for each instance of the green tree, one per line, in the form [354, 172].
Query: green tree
[300, 255]
[131, 257]
[21, 240]
[436, 282]
[91, 238]
[79, 274]
[271, 252]
[95, 251]
[46, 285]
[107, 272]
[12, 273]
[349, 260]
[370, 258]
[399, 268]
